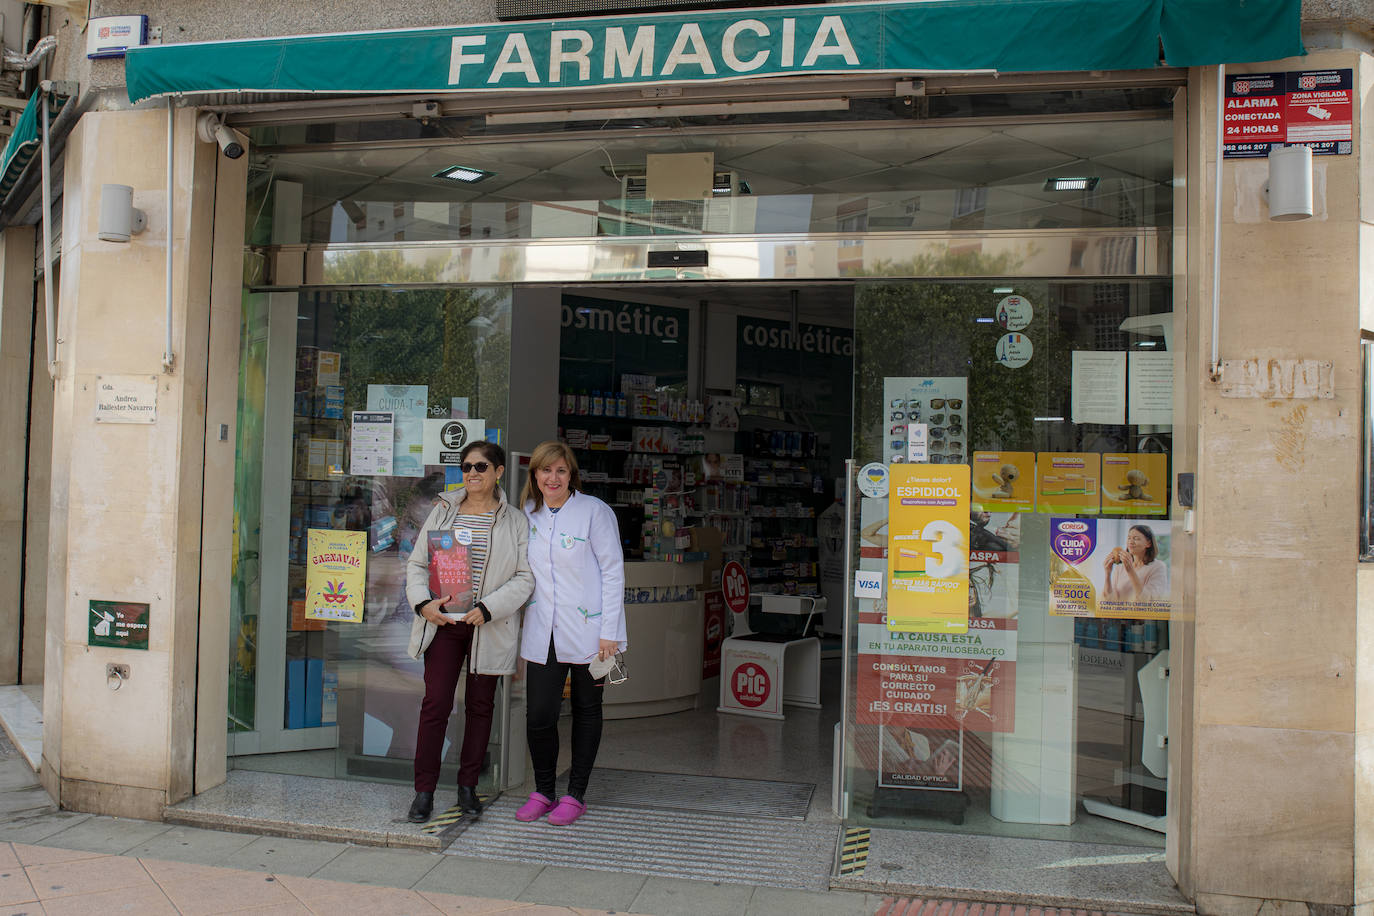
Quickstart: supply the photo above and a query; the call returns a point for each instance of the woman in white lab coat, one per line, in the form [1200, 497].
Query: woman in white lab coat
[577, 616]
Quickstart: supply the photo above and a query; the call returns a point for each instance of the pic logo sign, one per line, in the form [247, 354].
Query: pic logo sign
[735, 586]
[751, 685]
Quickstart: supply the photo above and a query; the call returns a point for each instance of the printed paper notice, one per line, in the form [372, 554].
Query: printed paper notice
[373, 435]
[1099, 387]
[408, 405]
[1152, 388]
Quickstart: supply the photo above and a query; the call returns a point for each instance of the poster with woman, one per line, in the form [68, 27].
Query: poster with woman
[1110, 568]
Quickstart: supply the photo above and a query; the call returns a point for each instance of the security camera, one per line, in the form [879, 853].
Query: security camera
[212, 129]
[228, 143]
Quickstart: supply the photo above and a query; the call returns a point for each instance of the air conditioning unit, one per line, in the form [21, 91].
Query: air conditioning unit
[718, 214]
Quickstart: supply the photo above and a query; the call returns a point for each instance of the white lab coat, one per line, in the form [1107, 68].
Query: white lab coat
[579, 581]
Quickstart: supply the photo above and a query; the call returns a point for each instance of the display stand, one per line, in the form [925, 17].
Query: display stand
[755, 679]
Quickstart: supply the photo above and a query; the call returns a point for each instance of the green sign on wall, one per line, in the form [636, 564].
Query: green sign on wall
[714, 45]
[118, 625]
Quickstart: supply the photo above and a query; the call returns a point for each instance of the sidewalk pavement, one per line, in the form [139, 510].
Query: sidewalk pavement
[60, 863]
[63, 864]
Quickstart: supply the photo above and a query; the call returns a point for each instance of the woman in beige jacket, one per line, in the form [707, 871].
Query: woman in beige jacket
[484, 629]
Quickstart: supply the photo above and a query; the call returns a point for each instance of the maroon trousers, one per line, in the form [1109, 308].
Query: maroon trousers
[443, 663]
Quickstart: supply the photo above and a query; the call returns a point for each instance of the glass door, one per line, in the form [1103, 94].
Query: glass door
[329, 689]
[1041, 409]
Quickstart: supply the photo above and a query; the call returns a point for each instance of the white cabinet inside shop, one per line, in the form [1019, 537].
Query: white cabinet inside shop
[665, 637]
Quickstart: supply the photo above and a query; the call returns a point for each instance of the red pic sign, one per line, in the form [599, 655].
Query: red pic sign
[751, 685]
[735, 585]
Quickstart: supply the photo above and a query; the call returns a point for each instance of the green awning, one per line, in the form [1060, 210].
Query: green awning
[25, 140]
[924, 36]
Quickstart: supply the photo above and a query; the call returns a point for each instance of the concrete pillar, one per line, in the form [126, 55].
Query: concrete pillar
[16, 330]
[1270, 647]
[39, 496]
[127, 499]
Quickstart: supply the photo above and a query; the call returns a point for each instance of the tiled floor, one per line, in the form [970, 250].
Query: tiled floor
[39, 880]
[48, 881]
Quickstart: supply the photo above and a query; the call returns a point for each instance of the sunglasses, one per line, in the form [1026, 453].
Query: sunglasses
[480, 467]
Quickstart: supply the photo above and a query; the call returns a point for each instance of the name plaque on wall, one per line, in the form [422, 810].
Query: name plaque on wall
[126, 399]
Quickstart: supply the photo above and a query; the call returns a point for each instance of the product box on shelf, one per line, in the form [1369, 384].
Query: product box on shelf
[327, 368]
[329, 698]
[332, 405]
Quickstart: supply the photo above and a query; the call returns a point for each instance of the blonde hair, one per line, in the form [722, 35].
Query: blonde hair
[545, 454]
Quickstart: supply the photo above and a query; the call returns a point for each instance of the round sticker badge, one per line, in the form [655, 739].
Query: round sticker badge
[873, 480]
[464, 536]
[1014, 313]
[1014, 350]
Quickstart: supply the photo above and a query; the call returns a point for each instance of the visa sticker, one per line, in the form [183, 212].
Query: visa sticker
[868, 583]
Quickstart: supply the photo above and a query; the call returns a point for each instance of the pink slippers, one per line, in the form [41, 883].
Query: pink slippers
[537, 806]
[569, 809]
[564, 813]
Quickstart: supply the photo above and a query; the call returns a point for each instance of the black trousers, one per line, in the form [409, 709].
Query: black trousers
[544, 698]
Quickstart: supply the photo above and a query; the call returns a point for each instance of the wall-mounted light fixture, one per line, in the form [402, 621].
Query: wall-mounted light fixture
[119, 218]
[1289, 189]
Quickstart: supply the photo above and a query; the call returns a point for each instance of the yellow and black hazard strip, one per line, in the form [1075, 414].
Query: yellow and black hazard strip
[441, 822]
[854, 851]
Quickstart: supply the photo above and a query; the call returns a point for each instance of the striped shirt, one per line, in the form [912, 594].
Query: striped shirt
[479, 527]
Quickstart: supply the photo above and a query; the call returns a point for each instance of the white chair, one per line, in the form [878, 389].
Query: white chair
[761, 672]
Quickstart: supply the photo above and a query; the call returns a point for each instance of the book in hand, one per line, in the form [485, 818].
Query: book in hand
[450, 573]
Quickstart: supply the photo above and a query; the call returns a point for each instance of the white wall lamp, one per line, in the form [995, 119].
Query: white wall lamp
[119, 218]
[1289, 189]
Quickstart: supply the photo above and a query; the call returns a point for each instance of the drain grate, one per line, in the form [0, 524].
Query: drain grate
[699, 794]
[708, 847]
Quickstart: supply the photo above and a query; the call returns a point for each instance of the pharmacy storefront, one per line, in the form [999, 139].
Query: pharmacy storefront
[869, 324]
